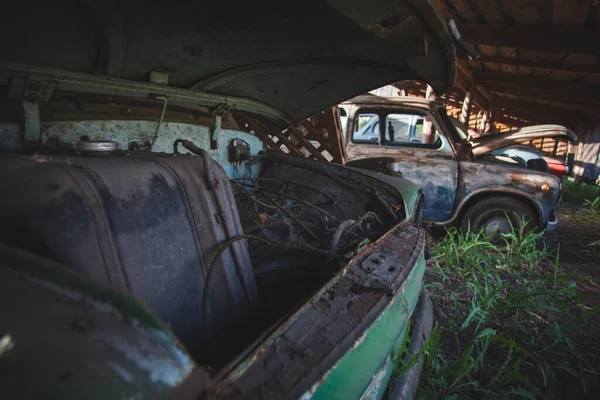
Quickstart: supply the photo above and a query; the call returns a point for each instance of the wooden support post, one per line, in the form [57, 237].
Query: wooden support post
[485, 122]
[428, 131]
[429, 93]
[402, 89]
[466, 109]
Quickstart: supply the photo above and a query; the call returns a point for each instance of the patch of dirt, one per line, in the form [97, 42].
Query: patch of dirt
[577, 240]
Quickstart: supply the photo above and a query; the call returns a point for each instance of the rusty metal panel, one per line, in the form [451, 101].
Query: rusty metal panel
[66, 336]
[483, 177]
[434, 170]
[147, 224]
[330, 347]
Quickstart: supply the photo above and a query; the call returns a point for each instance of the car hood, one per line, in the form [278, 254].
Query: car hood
[281, 60]
[494, 141]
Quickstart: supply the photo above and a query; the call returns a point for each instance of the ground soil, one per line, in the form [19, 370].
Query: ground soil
[577, 239]
[577, 243]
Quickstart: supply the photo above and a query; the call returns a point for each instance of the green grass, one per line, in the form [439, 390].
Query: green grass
[507, 324]
[579, 192]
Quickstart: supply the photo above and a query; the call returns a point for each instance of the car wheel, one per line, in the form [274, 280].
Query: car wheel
[495, 216]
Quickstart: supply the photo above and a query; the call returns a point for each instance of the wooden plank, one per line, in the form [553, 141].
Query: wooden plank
[259, 126]
[511, 105]
[270, 143]
[501, 119]
[306, 143]
[466, 109]
[288, 143]
[551, 86]
[330, 120]
[465, 81]
[314, 133]
[590, 69]
[537, 118]
[587, 106]
[557, 39]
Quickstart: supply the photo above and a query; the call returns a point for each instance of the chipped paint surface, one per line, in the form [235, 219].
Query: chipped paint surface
[331, 347]
[450, 178]
[90, 333]
[141, 133]
[379, 382]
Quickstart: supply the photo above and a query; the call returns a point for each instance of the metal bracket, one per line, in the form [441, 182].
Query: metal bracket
[218, 112]
[31, 97]
[215, 132]
[31, 91]
[381, 266]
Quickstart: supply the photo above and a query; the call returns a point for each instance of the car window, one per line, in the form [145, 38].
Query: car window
[398, 128]
[366, 128]
[410, 130]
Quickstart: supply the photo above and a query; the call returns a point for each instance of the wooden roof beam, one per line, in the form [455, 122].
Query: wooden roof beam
[545, 65]
[588, 107]
[542, 111]
[501, 119]
[465, 81]
[575, 89]
[546, 38]
[540, 118]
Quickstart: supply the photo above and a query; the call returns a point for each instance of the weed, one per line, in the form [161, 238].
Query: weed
[594, 206]
[506, 333]
[578, 192]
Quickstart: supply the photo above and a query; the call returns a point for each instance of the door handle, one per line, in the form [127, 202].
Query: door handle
[439, 156]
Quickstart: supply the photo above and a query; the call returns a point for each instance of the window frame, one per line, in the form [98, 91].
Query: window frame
[382, 113]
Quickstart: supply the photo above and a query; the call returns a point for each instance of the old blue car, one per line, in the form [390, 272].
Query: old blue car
[463, 180]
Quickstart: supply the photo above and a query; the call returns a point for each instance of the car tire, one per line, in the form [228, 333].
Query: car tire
[491, 214]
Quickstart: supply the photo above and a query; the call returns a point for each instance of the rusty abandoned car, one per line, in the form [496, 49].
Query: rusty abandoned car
[151, 248]
[463, 180]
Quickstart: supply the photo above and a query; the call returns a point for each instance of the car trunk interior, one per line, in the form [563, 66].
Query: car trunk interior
[304, 222]
[301, 222]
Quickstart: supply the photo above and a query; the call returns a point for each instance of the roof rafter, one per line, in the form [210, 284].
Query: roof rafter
[546, 65]
[545, 38]
[582, 90]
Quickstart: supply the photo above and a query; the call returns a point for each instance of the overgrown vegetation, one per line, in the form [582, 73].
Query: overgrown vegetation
[510, 322]
[579, 192]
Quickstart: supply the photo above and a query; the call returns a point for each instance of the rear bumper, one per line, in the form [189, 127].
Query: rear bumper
[405, 386]
[552, 224]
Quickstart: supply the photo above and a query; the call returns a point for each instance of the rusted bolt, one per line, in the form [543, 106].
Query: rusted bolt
[82, 324]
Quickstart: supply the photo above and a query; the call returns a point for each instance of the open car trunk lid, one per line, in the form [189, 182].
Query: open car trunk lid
[280, 60]
[490, 142]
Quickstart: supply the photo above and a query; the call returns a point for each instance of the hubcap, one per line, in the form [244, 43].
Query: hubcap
[496, 226]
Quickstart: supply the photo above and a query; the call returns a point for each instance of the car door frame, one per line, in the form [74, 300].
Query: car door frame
[409, 154]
